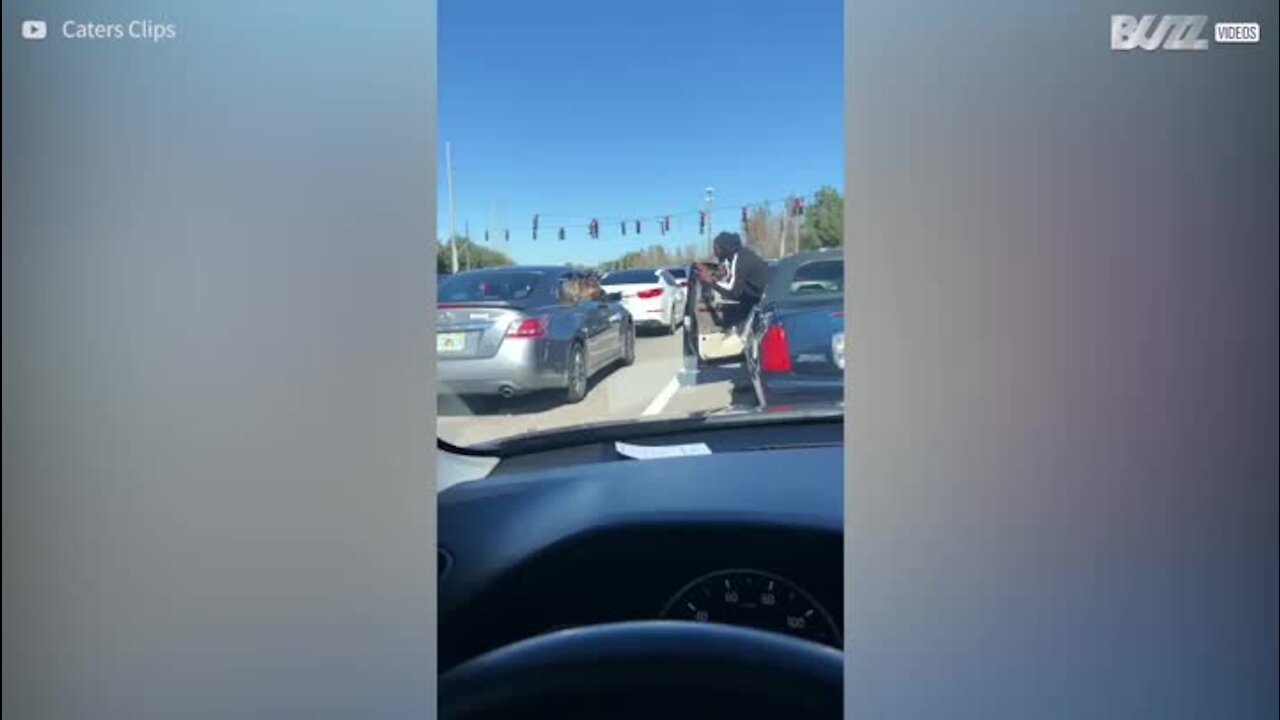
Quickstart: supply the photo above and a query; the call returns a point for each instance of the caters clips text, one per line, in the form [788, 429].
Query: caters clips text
[133, 30]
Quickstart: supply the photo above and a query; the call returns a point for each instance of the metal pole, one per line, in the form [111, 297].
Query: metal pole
[791, 230]
[453, 235]
[795, 231]
[786, 227]
[710, 230]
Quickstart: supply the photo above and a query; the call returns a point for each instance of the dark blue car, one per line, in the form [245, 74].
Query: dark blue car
[794, 348]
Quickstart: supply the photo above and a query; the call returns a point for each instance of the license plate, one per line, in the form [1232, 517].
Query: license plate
[450, 342]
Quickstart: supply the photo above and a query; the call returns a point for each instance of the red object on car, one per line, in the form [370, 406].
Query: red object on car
[775, 355]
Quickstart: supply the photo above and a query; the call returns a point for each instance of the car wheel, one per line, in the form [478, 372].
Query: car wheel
[576, 388]
[628, 344]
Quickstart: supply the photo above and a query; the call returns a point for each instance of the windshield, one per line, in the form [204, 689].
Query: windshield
[818, 278]
[481, 286]
[573, 212]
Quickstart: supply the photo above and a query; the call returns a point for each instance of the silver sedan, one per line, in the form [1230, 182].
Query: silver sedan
[510, 331]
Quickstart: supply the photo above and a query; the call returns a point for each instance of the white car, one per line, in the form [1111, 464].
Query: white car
[681, 275]
[652, 296]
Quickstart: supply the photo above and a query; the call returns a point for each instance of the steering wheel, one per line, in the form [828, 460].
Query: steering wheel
[648, 669]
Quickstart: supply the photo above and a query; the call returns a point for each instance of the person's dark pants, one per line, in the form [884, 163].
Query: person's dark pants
[735, 315]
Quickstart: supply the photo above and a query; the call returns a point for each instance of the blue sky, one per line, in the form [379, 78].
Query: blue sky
[575, 110]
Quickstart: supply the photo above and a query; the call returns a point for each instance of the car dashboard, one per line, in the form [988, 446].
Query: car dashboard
[750, 534]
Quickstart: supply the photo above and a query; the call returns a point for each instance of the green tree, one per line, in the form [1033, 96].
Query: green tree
[763, 233]
[652, 256]
[471, 256]
[823, 221]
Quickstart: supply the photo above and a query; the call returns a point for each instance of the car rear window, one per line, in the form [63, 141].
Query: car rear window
[678, 273]
[630, 277]
[489, 287]
[818, 278]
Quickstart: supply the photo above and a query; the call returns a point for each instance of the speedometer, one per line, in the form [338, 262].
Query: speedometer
[754, 599]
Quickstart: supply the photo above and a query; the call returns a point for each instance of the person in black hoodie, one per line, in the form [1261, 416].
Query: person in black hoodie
[747, 274]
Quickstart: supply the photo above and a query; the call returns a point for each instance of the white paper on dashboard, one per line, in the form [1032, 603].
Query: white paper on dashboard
[649, 452]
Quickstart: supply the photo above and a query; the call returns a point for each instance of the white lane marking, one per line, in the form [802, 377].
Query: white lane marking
[663, 397]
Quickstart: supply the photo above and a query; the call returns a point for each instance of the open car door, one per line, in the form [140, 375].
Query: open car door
[707, 340]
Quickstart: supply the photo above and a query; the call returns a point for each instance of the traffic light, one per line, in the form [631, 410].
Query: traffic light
[666, 225]
[624, 228]
[702, 222]
[561, 233]
[506, 235]
[637, 227]
[486, 236]
[593, 229]
[535, 227]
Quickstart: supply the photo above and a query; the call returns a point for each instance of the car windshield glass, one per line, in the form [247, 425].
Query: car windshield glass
[480, 286]
[818, 278]
[630, 277]
[583, 282]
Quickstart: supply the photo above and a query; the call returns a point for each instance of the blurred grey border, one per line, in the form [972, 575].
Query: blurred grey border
[219, 419]
[1061, 493]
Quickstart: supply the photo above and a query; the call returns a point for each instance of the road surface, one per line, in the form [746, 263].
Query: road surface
[650, 388]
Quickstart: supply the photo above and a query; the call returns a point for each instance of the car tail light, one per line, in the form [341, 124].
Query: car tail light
[775, 356]
[534, 327]
[646, 294]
